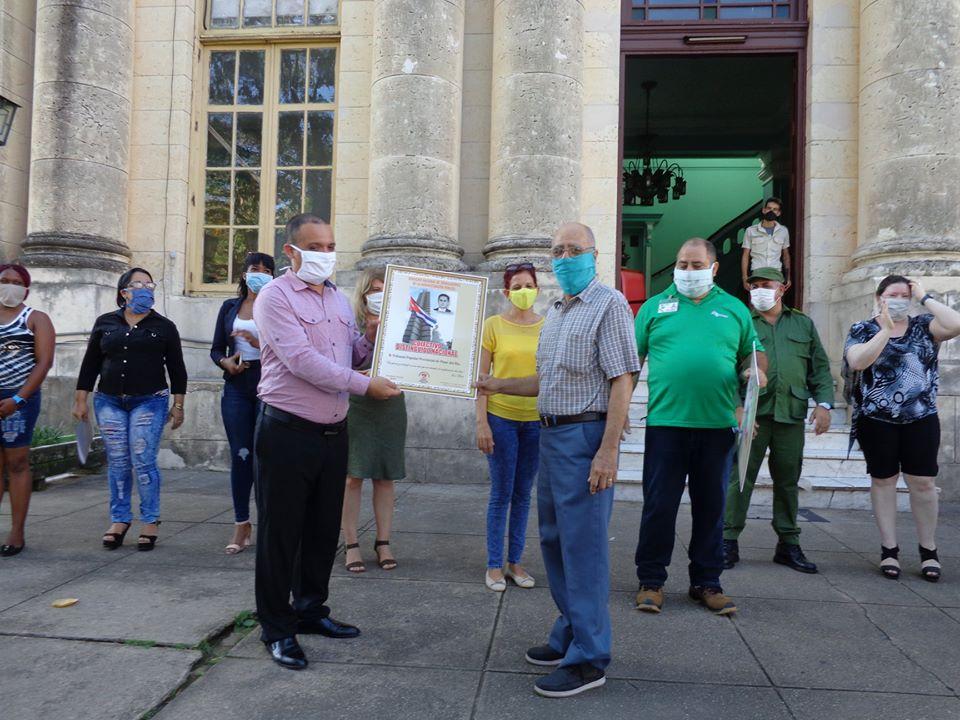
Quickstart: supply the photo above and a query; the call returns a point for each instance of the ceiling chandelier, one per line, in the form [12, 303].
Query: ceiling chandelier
[642, 184]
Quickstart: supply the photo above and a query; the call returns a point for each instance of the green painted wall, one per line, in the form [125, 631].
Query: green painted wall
[718, 189]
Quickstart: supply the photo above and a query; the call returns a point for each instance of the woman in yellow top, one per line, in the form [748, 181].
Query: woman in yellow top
[508, 427]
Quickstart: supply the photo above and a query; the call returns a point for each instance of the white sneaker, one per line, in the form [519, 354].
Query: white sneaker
[495, 585]
[524, 581]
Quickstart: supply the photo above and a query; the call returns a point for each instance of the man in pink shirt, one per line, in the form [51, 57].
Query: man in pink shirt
[309, 345]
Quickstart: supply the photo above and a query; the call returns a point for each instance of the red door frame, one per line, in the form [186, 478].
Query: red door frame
[706, 38]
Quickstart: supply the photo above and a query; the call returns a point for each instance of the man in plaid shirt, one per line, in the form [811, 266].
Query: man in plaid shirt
[586, 366]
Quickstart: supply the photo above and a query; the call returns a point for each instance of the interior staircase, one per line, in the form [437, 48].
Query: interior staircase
[829, 479]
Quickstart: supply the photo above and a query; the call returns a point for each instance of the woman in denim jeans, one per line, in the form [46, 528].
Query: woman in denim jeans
[236, 351]
[508, 427]
[132, 350]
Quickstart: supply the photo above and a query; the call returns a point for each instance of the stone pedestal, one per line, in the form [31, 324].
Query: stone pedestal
[415, 108]
[81, 127]
[536, 127]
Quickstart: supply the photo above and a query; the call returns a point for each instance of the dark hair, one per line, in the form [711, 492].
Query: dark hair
[297, 222]
[21, 271]
[125, 280]
[892, 280]
[774, 199]
[512, 270]
[442, 295]
[254, 258]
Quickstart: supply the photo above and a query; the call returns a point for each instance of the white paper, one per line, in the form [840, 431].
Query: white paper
[84, 440]
[749, 419]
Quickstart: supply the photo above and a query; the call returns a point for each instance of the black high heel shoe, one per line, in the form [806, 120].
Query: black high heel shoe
[889, 570]
[930, 573]
[146, 543]
[11, 550]
[111, 540]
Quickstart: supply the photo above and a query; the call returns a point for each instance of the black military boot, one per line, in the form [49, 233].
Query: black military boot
[792, 556]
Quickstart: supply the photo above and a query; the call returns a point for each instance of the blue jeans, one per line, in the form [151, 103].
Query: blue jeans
[239, 407]
[513, 467]
[700, 459]
[131, 427]
[575, 543]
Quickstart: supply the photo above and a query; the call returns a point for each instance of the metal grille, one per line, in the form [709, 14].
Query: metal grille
[706, 10]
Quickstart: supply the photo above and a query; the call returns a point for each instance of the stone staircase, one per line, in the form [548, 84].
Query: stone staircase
[829, 479]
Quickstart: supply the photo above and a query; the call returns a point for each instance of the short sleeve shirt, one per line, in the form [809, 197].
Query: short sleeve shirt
[901, 385]
[513, 351]
[766, 249]
[693, 350]
[585, 343]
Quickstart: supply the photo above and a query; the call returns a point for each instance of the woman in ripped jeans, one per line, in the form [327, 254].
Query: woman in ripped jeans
[133, 350]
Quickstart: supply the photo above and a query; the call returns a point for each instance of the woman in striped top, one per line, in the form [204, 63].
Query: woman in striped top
[26, 354]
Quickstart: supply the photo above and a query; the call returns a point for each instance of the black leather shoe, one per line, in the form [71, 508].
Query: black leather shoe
[328, 627]
[731, 553]
[287, 653]
[792, 556]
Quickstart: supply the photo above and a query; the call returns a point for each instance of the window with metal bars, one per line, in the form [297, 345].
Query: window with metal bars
[706, 10]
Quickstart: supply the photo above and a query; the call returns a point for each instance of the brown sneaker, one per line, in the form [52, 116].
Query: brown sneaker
[650, 599]
[713, 599]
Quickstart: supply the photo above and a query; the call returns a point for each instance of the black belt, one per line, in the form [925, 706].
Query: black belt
[554, 420]
[301, 424]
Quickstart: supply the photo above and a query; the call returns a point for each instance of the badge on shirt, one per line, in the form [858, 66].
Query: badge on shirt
[668, 306]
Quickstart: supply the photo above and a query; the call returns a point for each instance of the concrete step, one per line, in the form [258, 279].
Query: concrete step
[815, 492]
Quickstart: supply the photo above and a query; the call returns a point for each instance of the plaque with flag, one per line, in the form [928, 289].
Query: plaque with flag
[430, 328]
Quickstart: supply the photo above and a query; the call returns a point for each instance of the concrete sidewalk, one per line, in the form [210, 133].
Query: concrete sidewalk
[166, 634]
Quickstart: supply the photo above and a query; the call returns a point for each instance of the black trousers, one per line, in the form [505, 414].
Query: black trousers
[300, 479]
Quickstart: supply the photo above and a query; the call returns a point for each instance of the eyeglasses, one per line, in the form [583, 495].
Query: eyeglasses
[519, 267]
[140, 285]
[572, 250]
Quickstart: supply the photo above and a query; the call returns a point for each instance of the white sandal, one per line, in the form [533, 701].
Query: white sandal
[495, 585]
[233, 548]
[523, 581]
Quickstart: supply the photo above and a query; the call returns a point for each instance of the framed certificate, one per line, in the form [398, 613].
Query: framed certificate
[430, 327]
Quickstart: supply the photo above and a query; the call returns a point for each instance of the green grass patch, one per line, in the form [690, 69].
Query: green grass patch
[141, 643]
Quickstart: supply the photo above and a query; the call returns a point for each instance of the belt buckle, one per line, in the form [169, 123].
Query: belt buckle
[548, 421]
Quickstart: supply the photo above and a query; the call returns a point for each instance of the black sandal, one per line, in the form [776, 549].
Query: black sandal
[151, 541]
[116, 539]
[357, 566]
[11, 550]
[388, 563]
[930, 573]
[890, 571]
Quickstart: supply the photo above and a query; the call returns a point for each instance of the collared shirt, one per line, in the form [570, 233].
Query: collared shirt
[309, 345]
[797, 366]
[766, 250]
[586, 341]
[133, 360]
[693, 350]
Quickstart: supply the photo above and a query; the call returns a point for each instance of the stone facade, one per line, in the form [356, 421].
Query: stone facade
[466, 130]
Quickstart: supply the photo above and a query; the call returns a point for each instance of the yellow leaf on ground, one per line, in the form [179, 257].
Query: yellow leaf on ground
[65, 602]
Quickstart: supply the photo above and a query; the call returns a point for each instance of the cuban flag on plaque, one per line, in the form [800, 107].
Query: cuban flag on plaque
[422, 314]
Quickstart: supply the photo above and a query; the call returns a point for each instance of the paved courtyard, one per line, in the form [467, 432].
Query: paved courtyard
[168, 635]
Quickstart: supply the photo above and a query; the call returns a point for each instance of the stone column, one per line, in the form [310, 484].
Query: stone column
[81, 127]
[909, 217]
[536, 127]
[415, 110]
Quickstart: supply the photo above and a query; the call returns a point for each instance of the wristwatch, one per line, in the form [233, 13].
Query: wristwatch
[825, 406]
[928, 296]
[19, 401]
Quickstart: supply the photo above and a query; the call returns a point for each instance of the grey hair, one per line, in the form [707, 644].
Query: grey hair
[705, 244]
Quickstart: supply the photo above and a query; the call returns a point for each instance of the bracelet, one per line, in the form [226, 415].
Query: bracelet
[178, 407]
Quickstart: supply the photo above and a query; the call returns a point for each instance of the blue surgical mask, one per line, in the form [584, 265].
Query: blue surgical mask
[141, 300]
[575, 273]
[256, 280]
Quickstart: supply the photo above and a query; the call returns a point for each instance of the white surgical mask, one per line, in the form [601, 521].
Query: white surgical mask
[12, 295]
[899, 308]
[693, 283]
[315, 267]
[375, 302]
[763, 298]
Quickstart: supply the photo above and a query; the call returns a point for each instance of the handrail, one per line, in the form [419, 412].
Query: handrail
[740, 222]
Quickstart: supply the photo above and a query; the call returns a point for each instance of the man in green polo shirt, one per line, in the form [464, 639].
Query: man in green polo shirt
[798, 370]
[695, 336]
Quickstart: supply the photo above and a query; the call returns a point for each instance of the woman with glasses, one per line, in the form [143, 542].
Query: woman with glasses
[132, 350]
[236, 351]
[27, 342]
[378, 436]
[508, 427]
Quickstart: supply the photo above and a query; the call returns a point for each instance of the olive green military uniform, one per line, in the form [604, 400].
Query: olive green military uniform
[797, 370]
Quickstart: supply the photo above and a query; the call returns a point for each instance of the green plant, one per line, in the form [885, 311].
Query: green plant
[141, 643]
[244, 621]
[49, 435]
